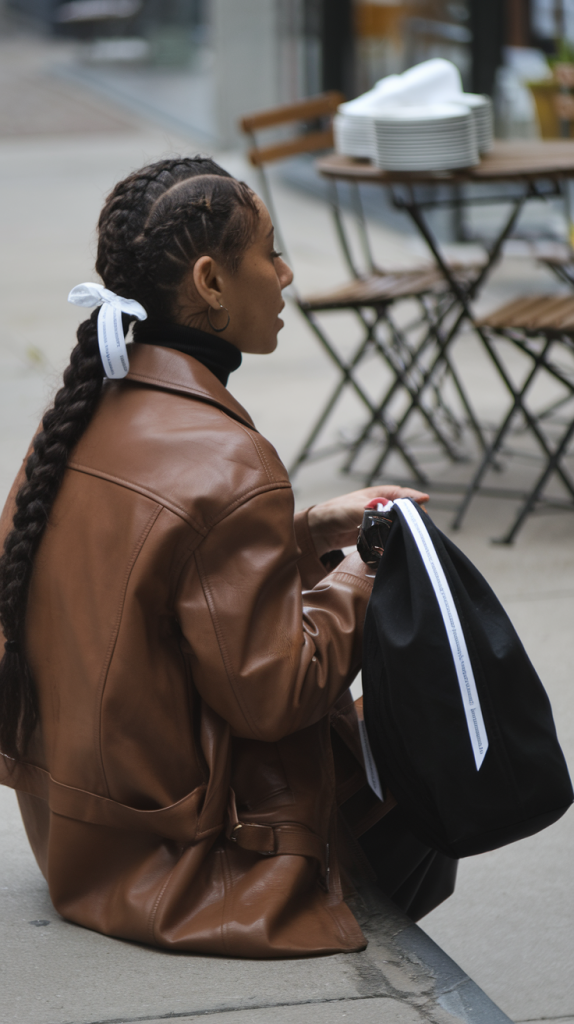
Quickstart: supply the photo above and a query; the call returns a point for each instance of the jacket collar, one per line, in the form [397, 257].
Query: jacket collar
[170, 370]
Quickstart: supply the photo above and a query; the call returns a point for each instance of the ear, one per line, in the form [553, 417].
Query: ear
[208, 280]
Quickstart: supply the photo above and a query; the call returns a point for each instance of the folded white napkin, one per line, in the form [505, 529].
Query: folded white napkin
[434, 81]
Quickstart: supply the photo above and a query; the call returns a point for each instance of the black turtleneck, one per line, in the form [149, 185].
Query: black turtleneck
[218, 355]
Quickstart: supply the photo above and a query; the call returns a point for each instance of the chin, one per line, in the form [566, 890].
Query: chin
[262, 348]
[263, 342]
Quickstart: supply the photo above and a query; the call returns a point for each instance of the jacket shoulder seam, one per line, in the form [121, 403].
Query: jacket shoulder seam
[193, 549]
[262, 457]
[243, 499]
[130, 485]
[172, 506]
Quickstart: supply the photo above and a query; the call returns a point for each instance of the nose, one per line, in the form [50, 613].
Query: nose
[284, 273]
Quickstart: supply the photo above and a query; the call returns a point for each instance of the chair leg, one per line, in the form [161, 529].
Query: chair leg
[347, 379]
[417, 397]
[305, 451]
[529, 504]
[442, 344]
[553, 458]
[413, 355]
[476, 481]
[539, 360]
[441, 359]
[517, 405]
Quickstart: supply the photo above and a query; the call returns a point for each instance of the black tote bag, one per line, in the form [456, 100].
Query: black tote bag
[459, 724]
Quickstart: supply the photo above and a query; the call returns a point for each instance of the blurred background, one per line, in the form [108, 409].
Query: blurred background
[153, 53]
[90, 90]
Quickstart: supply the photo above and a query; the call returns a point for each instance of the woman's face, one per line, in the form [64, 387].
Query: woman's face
[251, 295]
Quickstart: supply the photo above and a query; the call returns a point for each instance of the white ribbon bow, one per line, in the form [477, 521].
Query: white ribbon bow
[111, 339]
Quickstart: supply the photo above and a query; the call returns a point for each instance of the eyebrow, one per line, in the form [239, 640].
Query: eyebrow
[269, 233]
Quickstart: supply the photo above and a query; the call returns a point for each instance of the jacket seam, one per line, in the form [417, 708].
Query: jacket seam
[151, 520]
[155, 908]
[189, 392]
[191, 549]
[207, 591]
[272, 485]
[205, 585]
[247, 425]
[259, 449]
[358, 581]
[171, 506]
[309, 547]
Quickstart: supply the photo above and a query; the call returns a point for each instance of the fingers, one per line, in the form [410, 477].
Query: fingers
[392, 492]
[389, 491]
[334, 523]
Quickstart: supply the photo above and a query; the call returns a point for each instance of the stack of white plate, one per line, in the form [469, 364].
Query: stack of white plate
[437, 137]
[481, 107]
[354, 124]
[403, 122]
[355, 135]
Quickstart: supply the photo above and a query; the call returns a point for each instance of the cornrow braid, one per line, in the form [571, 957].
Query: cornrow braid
[125, 260]
[206, 214]
[62, 427]
[126, 211]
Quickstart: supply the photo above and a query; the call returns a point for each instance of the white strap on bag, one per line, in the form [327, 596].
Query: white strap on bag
[459, 650]
[373, 777]
[111, 340]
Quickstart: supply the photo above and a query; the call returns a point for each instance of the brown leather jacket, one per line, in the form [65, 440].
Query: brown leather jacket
[187, 649]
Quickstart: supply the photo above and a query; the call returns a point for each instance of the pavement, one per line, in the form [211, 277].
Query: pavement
[510, 924]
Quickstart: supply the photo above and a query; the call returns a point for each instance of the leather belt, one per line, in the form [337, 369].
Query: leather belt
[179, 821]
[276, 840]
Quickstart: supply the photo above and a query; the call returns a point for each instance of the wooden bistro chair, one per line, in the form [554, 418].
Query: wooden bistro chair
[562, 265]
[542, 328]
[370, 293]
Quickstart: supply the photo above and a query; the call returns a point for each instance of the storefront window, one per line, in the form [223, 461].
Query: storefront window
[391, 36]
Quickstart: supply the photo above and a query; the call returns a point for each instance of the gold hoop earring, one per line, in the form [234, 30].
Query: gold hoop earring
[218, 330]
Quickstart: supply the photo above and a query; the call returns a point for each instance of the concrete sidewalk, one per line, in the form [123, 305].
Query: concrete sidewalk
[55, 973]
[510, 923]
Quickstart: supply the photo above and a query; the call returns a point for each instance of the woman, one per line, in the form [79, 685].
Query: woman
[176, 654]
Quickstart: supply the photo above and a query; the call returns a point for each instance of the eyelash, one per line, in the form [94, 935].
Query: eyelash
[275, 255]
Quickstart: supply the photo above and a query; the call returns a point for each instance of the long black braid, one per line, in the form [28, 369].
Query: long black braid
[152, 227]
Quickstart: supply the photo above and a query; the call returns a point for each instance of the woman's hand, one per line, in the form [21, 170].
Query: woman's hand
[334, 523]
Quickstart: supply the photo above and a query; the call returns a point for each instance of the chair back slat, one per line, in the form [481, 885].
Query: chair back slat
[324, 105]
[312, 140]
[308, 143]
[306, 110]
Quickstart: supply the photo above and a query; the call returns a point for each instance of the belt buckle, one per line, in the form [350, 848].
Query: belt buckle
[233, 837]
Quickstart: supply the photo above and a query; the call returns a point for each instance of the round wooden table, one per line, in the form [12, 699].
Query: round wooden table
[516, 160]
[534, 169]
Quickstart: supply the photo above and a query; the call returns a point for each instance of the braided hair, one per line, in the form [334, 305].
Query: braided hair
[152, 228]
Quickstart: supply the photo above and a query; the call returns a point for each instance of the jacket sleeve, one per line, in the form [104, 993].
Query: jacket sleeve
[266, 655]
[311, 568]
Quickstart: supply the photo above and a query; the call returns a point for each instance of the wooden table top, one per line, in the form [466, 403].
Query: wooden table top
[509, 160]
